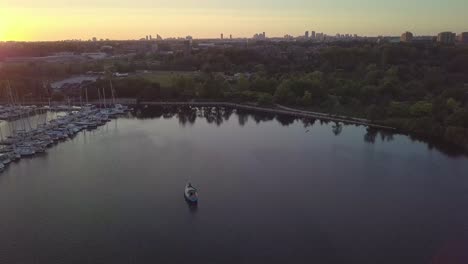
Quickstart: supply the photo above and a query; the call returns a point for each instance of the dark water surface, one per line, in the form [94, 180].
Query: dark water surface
[272, 190]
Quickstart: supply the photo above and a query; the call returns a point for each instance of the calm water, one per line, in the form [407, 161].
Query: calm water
[272, 190]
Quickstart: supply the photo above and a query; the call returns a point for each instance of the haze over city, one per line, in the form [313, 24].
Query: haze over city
[27, 20]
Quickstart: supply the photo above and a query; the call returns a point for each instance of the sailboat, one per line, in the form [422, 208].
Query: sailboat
[190, 194]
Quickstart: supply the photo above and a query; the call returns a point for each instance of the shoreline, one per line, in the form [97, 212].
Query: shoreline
[280, 109]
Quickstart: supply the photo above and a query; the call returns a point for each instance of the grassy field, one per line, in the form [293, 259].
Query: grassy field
[164, 78]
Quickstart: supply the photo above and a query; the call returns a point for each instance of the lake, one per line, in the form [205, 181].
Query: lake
[273, 189]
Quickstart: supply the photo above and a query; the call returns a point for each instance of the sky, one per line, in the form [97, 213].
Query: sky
[32, 20]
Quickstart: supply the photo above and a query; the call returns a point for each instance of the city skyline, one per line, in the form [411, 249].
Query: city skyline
[25, 20]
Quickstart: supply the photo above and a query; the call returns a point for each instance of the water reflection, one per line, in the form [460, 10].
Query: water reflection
[193, 207]
[371, 135]
[330, 199]
[308, 122]
[28, 122]
[337, 128]
[243, 117]
[218, 115]
[285, 120]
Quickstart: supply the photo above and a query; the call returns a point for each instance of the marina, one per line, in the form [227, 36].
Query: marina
[30, 140]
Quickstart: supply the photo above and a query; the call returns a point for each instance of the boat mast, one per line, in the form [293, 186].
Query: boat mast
[11, 93]
[81, 97]
[104, 95]
[12, 124]
[99, 97]
[112, 91]
[27, 119]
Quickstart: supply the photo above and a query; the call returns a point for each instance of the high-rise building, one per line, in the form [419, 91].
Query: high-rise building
[230, 36]
[147, 37]
[151, 37]
[222, 36]
[406, 37]
[306, 35]
[463, 38]
[312, 35]
[320, 36]
[94, 39]
[446, 38]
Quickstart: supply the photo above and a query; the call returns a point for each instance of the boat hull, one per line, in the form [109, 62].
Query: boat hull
[190, 194]
[191, 201]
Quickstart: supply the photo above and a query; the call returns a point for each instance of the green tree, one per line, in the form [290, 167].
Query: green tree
[421, 108]
[398, 109]
[243, 84]
[283, 93]
[265, 99]
[307, 99]
[452, 104]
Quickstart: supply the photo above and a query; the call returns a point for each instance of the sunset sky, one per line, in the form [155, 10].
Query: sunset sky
[130, 19]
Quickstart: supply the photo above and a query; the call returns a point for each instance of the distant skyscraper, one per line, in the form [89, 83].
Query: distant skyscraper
[446, 38]
[94, 39]
[222, 36]
[230, 36]
[406, 37]
[306, 35]
[312, 35]
[151, 37]
[158, 37]
[147, 37]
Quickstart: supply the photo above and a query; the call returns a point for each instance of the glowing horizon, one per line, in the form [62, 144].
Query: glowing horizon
[25, 20]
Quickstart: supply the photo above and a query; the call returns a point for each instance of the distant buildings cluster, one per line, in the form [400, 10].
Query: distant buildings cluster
[320, 36]
[406, 37]
[443, 37]
[259, 36]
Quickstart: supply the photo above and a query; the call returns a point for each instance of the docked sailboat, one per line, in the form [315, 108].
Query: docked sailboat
[5, 158]
[191, 194]
[26, 151]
